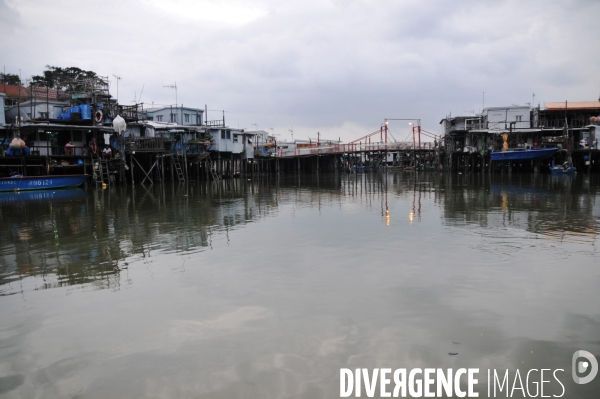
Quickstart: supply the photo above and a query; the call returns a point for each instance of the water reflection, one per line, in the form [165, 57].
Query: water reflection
[89, 237]
[266, 288]
[556, 207]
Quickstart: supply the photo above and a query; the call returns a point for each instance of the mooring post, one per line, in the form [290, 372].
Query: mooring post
[172, 167]
[130, 167]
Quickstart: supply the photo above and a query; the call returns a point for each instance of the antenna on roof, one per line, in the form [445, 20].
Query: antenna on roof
[118, 78]
[173, 87]
[140, 98]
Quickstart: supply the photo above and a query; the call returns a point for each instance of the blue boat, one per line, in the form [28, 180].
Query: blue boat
[522, 154]
[66, 194]
[561, 170]
[27, 183]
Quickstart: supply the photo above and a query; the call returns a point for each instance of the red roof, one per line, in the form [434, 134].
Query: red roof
[11, 90]
[573, 105]
[43, 92]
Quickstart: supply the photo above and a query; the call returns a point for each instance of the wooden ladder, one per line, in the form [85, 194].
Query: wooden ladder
[104, 172]
[178, 168]
[213, 169]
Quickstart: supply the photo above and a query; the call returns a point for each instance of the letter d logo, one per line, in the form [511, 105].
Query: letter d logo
[583, 366]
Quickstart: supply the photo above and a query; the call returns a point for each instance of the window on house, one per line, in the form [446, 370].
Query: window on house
[44, 115]
[198, 119]
[150, 118]
[159, 118]
[186, 118]
[235, 138]
[228, 135]
[223, 134]
[173, 118]
[518, 118]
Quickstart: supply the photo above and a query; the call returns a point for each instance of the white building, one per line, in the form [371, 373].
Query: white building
[500, 118]
[37, 109]
[180, 115]
[235, 141]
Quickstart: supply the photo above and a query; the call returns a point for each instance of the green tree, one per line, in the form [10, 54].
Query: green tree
[10, 79]
[65, 79]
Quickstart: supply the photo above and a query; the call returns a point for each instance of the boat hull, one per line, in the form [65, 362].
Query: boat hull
[559, 170]
[28, 183]
[32, 196]
[524, 154]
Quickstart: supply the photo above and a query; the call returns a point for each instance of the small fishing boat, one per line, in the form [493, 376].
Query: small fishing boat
[564, 169]
[27, 183]
[521, 154]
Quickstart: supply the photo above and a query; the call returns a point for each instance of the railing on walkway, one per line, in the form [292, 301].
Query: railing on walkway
[350, 148]
[217, 123]
[55, 150]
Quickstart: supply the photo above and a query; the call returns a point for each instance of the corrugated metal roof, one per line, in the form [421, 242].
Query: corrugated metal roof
[573, 105]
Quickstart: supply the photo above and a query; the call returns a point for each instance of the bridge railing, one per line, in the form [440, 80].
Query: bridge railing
[350, 148]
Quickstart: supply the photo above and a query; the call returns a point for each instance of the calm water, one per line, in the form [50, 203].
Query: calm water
[266, 289]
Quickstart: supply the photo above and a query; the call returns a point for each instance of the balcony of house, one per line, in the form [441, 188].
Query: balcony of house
[147, 144]
[560, 123]
[217, 123]
[479, 125]
[133, 113]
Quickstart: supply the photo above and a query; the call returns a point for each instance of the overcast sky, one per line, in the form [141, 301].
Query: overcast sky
[339, 67]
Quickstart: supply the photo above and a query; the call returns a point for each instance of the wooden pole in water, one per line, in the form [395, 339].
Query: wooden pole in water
[130, 167]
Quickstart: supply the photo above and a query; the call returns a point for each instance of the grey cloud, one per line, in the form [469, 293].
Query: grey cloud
[9, 18]
[316, 64]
